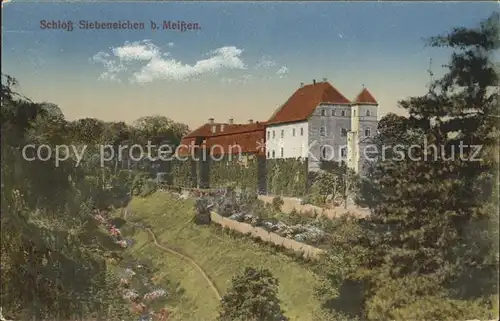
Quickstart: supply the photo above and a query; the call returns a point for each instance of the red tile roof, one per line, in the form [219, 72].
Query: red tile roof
[246, 136]
[303, 102]
[244, 142]
[365, 97]
[206, 129]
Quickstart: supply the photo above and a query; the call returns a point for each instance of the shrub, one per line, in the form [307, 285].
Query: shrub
[253, 295]
[277, 203]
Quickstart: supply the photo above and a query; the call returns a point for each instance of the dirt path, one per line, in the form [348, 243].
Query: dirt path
[180, 255]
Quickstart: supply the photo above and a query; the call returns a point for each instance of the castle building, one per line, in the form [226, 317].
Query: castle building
[317, 123]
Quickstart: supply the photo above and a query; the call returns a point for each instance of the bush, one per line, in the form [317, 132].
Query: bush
[277, 203]
[203, 208]
[253, 295]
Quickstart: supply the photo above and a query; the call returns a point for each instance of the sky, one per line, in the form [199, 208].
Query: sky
[243, 61]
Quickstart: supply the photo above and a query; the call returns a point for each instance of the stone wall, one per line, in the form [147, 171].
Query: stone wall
[258, 232]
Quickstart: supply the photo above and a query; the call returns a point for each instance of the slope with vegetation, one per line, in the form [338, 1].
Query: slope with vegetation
[220, 254]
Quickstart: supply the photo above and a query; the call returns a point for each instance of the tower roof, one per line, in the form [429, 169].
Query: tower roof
[365, 97]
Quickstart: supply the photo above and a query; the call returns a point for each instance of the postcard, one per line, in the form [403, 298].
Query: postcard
[249, 161]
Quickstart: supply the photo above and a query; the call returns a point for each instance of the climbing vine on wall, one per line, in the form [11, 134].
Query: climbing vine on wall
[234, 170]
[287, 177]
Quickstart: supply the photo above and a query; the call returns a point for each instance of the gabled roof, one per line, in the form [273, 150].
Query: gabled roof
[366, 98]
[246, 136]
[305, 100]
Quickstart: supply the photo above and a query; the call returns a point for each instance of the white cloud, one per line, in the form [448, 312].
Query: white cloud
[144, 50]
[162, 68]
[160, 65]
[282, 72]
[144, 62]
[265, 62]
[113, 68]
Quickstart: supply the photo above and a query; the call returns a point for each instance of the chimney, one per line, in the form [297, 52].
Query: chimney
[214, 129]
[211, 120]
[250, 121]
[301, 84]
[314, 81]
[231, 121]
[325, 80]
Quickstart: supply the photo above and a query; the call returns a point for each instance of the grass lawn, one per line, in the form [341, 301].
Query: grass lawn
[219, 254]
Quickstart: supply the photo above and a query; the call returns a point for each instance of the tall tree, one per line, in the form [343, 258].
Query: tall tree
[428, 251]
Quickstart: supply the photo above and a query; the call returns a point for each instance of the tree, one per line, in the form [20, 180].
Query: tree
[428, 251]
[253, 296]
[337, 180]
[48, 271]
[159, 130]
[87, 130]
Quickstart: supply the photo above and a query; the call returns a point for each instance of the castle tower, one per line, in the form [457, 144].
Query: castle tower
[364, 112]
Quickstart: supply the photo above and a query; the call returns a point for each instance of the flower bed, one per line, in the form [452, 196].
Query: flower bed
[243, 206]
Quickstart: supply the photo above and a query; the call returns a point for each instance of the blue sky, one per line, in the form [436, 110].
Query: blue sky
[267, 50]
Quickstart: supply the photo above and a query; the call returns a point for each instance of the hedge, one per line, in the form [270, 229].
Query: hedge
[287, 177]
[235, 171]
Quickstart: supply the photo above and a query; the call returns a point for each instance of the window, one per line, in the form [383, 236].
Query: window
[322, 131]
[282, 152]
[323, 152]
[367, 112]
[274, 134]
[293, 132]
[268, 135]
[343, 132]
[354, 113]
[301, 131]
[367, 132]
[343, 152]
[268, 154]
[274, 154]
[342, 113]
[333, 112]
[323, 112]
[282, 133]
